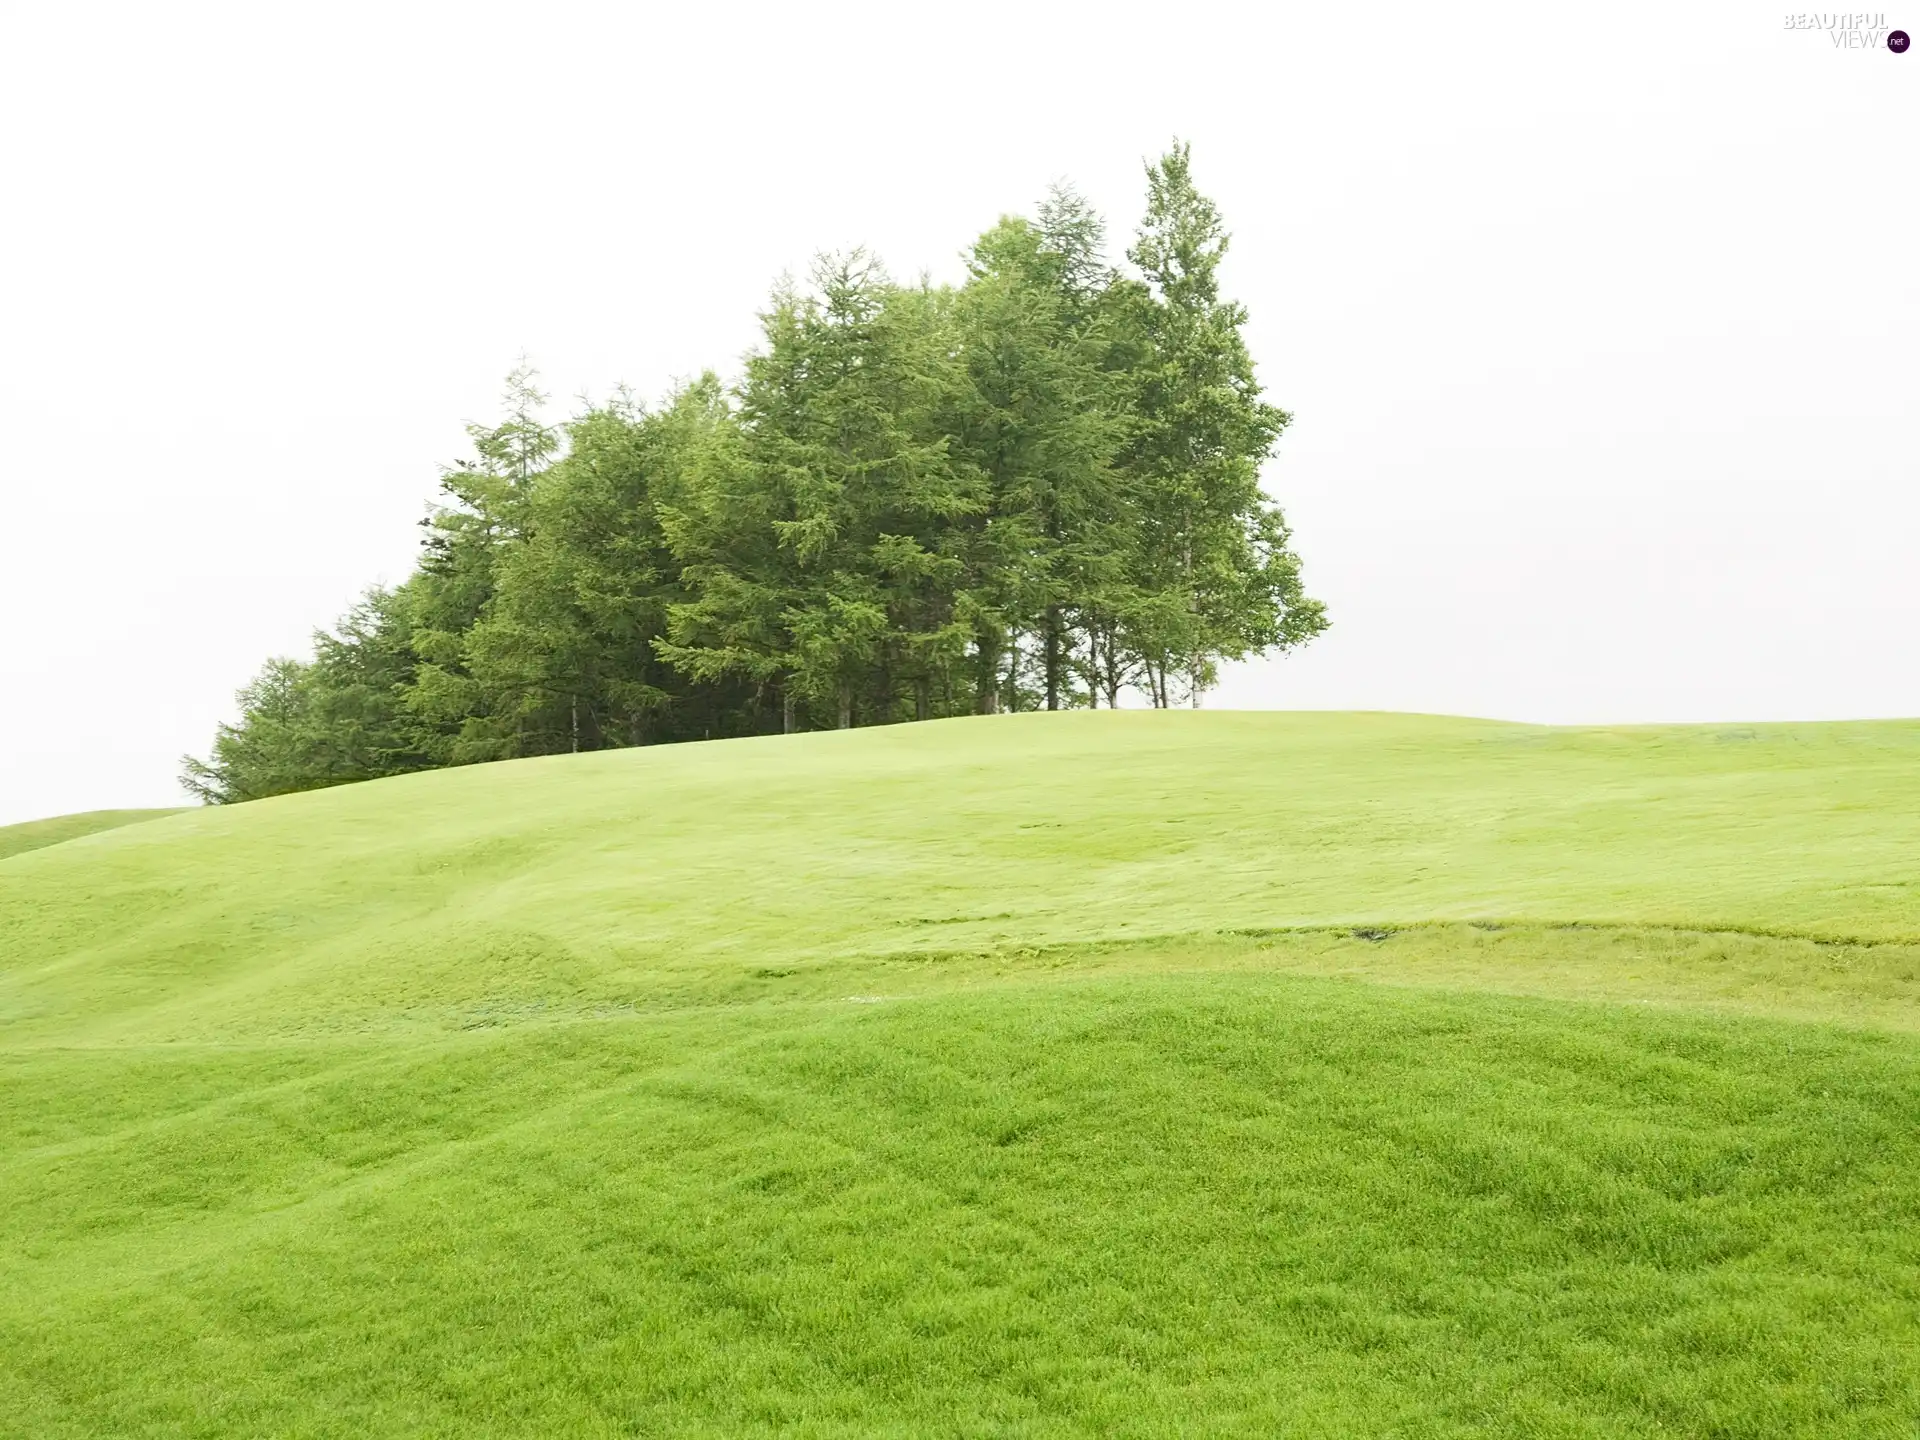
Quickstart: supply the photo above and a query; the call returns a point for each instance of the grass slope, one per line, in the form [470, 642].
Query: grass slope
[35, 834]
[1083, 1074]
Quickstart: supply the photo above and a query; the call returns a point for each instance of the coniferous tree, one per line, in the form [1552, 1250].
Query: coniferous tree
[335, 719]
[1036, 421]
[450, 592]
[837, 590]
[563, 650]
[1218, 577]
[1038, 488]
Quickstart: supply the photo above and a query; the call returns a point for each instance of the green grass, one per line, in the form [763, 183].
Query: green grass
[34, 834]
[1050, 1075]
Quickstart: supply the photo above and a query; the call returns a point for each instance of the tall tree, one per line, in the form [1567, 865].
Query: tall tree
[330, 721]
[484, 514]
[819, 564]
[563, 650]
[1041, 487]
[1219, 577]
[1036, 421]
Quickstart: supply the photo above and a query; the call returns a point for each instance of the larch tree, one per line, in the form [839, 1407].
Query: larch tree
[1035, 423]
[1039, 487]
[1220, 578]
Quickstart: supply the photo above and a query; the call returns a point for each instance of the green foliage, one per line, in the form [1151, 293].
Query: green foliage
[1454, 1086]
[1038, 488]
[1214, 558]
[565, 649]
[1040, 420]
[841, 587]
[484, 519]
[335, 719]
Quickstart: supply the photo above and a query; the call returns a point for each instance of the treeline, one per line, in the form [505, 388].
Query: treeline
[1036, 489]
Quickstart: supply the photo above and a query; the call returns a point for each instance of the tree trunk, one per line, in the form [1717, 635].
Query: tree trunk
[1111, 677]
[923, 699]
[576, 724]
[987, 701]
[1052, 653]
[846, 707]
[786, 711]
[1193, 609]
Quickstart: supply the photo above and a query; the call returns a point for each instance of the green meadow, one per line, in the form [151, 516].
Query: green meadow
[1092, 1073]
[15, 839]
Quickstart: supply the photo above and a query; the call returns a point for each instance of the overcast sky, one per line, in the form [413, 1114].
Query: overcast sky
[1601, 327]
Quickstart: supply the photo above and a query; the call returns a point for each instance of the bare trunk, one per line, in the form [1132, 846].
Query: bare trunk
[1112, 675]
[1051, 651]
[786, 711]
[923, 699]
[846, 708]
[1193, 609]
[576, 724]
[987, 701]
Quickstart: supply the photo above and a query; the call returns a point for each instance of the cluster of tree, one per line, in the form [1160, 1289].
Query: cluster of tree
[1036, 489]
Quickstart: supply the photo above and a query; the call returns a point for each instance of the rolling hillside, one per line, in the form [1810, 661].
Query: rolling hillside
[1112, 1073]
[38, 834]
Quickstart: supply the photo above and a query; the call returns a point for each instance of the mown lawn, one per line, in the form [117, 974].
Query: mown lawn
[36, 834]
[1056, 1075]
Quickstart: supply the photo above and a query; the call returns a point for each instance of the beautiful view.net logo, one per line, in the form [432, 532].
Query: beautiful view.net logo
[1853, 32]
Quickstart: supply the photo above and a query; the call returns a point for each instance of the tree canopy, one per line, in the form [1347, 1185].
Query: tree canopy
[1039, 488]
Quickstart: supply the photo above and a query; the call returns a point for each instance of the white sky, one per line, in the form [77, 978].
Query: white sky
[1601, 326]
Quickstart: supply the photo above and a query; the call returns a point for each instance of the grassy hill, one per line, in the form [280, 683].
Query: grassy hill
[1116, 1073]
[36, 834]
